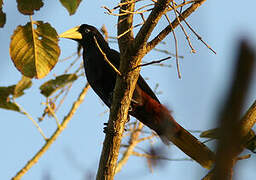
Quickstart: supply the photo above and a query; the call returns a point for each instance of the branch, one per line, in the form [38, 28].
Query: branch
[152, 62]
[106, 58]
[58, 131]
[175, 23]
[152, 20]
[133, 142]
[233, 131]
[125, 85]
[125, 28]
[131, 53]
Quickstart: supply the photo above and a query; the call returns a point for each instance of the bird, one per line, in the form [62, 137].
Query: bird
[145, 106]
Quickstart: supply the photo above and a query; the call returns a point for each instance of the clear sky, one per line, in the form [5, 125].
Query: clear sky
[194, 99]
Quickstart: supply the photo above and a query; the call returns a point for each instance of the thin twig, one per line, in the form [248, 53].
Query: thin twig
[183, 29]
[106, 58]
[176, 47]
[152, 62]
[33, 121]
[53, 113]
[182, 4]
[146, 155]
[66, 90]
[128, 30]
[156, 40]
[68, 57]
[133, 142]
[58, 131]
[197, 35]
[167, 52]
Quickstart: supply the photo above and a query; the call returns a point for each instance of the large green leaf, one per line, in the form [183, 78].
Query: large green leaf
[2, 15]
[71, 6]
[28, 7]
[34, 50]
[49, 87]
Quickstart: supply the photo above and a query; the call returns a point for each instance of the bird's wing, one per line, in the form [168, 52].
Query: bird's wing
[141, 82]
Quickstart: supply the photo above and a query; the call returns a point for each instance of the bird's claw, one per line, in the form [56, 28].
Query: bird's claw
[106, 130]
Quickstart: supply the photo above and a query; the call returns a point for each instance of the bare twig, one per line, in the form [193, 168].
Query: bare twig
[197, 35]
[159, 157]
[167, 52]
[176, 48]
[33, 121]
[128, 30]
[152, 62]
[175, 23]
[183, 29]
[53, 113]
[133, 142]
[58, 131]
[106, 58]
[105, 32]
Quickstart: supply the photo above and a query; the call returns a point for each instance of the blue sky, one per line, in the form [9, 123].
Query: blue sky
[194, 99]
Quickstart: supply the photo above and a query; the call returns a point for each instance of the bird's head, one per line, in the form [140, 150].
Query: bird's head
[84, 34]
[80, 33]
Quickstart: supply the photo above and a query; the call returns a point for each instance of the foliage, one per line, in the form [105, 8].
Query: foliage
[49, 87]
[34, 51]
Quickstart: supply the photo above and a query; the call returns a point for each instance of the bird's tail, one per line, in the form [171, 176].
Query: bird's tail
[158, 117]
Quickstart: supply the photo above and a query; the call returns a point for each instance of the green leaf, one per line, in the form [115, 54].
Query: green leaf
[2, 15]
[5, 102]
[6, 91]
[211, 134]
[49, 87]
[23, 84]
[15, 90]
[71, 6]
[9, 105]
[28, 7]
[34, 50]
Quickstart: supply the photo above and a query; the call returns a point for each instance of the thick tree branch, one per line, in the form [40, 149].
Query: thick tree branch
[132, 51]
[130, 58]
[246, 123]
[125, 22]
[124, 88]
[175, 23]
[151, 22]
[232, 130]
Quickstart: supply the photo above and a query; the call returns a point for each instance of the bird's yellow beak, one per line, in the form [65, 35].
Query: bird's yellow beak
[72, 34]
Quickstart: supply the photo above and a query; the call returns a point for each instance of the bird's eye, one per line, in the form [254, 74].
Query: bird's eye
[87, 30]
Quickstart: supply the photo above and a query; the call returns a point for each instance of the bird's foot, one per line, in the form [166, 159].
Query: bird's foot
[107, 130]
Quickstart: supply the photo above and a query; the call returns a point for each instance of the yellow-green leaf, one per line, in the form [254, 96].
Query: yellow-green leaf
[211, 133]
[34, 49]
[71, 6]
[6, 91]
[51, 86]
[28, 7]
[5, 102]
[9, 105]
[2, 15]
[23, 84]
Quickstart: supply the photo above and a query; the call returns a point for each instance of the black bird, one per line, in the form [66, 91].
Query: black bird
[145, 106]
